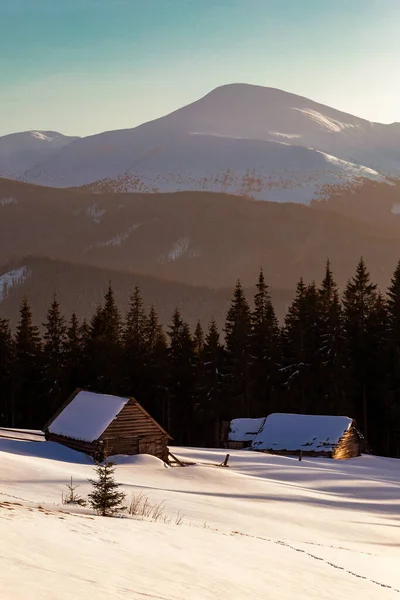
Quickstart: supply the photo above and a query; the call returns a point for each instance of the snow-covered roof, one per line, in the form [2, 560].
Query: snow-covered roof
[244, 430]
[87, 416]
[301, 432]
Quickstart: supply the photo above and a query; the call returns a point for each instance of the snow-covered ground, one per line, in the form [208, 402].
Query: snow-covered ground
[266, 527]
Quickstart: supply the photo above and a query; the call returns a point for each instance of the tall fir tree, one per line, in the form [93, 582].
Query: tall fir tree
[157, 392]
[181, 380]
[392, 400]
[333, 373]
[93, 358]
[378, 382]
[7, 357]
[237, 383]
[74, 353]
[28, 408]
[213, 365]
[200, 391]
[264, 351]
[54, 356]
[300, 346]
[359, 299]
[103, 348]
[135, 348]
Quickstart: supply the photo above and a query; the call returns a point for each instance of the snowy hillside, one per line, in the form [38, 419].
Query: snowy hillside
[22, 151]
[239, 138]
[265, 170]
[266, 527]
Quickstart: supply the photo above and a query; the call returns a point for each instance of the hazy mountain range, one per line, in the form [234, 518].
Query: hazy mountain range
[197, 241]
[240, 139]
[76, 212]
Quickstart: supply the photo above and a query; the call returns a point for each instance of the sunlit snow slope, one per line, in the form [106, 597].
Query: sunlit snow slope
[266, 527]
[242, 139]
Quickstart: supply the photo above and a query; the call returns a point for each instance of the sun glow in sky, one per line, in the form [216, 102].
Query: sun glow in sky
[85, 66]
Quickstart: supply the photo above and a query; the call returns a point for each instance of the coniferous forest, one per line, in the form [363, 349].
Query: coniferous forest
[334, 354]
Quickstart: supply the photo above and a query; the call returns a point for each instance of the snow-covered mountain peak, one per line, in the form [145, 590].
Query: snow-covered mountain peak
[251, 138]
[23, 150]
[39, 135]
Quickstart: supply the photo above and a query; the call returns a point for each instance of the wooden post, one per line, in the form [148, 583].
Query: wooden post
[180, 463]
[225, 463]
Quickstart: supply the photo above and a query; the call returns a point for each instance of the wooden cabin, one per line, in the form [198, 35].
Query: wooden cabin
[240, 433]
[309, 435]
[98, 423]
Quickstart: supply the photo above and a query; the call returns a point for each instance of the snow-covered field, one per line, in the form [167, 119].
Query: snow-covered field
[266, 527]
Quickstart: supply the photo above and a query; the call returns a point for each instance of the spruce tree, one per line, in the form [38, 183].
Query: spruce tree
[29, 410]
[103, 348]
[380, 418]
[198, 339]
[392, 399]
[237, 392]
[54, 356]
[6, 373]
[156, 387]
[333, 373]
[297, 361]
[181, 380]
[93, 356]
[359, 299]
[105, 498]
[200, 391]
[74, 353]
[264, 350]
[213, 365]
[111, 322]
[135, 348]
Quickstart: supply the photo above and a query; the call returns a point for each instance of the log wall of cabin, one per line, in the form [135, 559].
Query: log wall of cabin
[234, 445]
[79, 445]
[133, 431]
[349, 446]
[315, 453]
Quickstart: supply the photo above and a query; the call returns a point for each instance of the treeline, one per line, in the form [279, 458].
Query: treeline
[333, 355]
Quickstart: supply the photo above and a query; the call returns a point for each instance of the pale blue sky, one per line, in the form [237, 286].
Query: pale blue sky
[84, 66]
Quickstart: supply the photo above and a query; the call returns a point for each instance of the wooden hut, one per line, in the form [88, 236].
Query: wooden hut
[240, 433]
[98, 423]
[313, 435]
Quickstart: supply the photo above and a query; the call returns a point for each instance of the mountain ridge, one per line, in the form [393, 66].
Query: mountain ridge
[201, 238]
[238, 138]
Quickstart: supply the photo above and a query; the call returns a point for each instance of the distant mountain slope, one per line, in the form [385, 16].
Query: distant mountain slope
[262, 169]
[20, 152]
[81, 288]
[199, 238]
[239, 138]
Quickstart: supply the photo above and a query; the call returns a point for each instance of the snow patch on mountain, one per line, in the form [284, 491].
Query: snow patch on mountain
[41, 136]
[8, 201]
[120, 238]
[11, 279]
[326, 122]
[95, 213]
[352, 169]
[179, 249]
[396, 209]
[288, 136]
